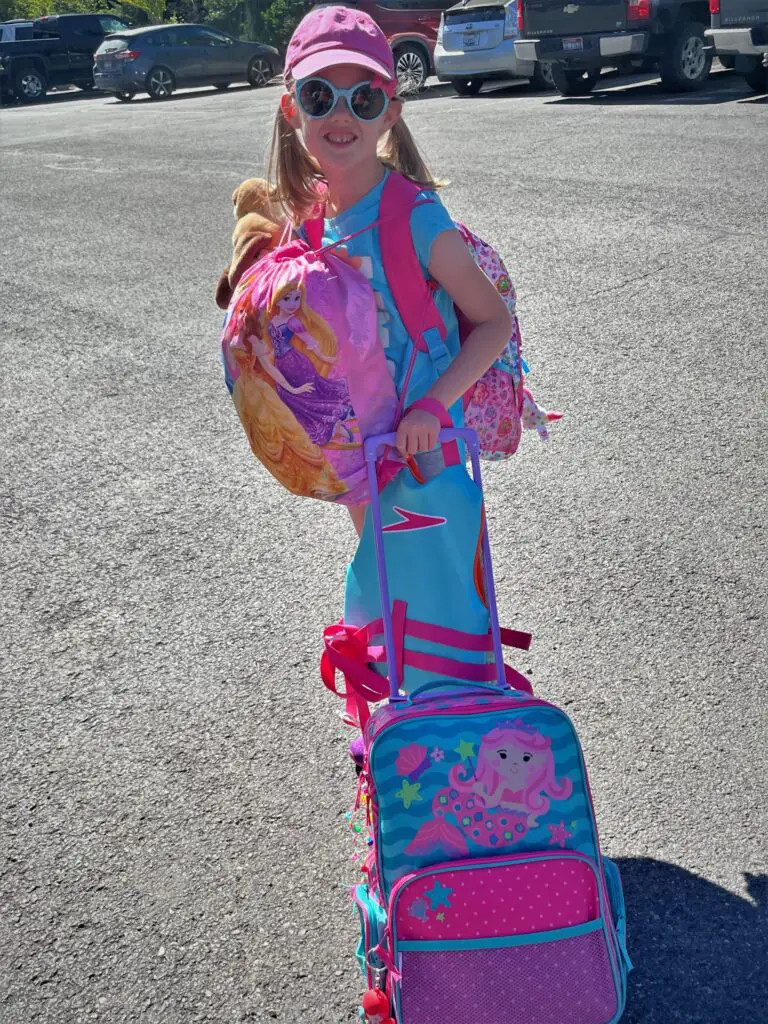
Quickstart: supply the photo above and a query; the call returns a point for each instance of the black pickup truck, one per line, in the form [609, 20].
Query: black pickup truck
[739, 34]
[60, 52]
[579, 39]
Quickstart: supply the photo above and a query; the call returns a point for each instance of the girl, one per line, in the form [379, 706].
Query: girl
[338, 134]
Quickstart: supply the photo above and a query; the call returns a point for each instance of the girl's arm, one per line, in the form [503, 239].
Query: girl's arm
[452, 266]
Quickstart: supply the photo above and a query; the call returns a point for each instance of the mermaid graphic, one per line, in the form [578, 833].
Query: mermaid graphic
[498, 802]
[298, 357]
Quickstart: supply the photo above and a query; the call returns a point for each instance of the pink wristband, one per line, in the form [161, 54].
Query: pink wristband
[436, 408]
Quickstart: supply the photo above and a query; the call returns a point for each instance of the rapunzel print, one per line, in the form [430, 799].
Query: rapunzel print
[300, 350]
[275, 435]
[493, 800]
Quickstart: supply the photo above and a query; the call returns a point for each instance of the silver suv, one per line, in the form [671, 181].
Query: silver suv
[476, 44]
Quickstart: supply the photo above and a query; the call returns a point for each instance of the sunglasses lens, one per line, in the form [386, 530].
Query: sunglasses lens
[316, 98]
[368, 102]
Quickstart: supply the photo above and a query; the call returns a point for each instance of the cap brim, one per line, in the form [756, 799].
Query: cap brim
[318, 62]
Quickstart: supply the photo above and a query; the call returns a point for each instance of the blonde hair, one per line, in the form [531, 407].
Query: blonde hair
[313, 323]
[295, 176]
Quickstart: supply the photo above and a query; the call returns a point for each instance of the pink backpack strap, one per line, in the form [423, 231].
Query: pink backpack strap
[412, 294]
[313, 227]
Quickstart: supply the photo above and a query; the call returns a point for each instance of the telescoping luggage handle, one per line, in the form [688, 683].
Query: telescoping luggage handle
[372, 447]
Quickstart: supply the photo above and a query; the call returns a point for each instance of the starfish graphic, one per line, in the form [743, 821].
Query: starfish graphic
[419, 910]
[438, 896]
[559, 834]
[440, 916]
[465, 749]
[409, 792]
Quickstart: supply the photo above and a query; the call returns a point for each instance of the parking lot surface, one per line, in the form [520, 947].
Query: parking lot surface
[175, 776]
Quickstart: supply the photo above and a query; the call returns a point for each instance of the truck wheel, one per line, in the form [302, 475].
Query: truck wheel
[412, 68]
[573, 83]
[542, 77]
[30, 85]
[686, 64]
[757, 78]
[160, 83]
[467, 86]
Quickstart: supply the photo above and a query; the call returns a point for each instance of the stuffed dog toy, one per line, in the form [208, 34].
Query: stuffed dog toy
[255, 233]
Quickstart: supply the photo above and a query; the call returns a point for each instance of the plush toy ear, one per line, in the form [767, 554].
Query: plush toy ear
[247, 251]
[223, 290]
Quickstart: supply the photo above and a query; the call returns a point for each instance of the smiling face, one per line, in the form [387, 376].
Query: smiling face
[516, 764]
[340, 142]
[290, 303]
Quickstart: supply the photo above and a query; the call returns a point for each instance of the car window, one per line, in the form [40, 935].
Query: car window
[111, 24]
[113, 45]
[46, 27]
[211, 38]
[191, 37]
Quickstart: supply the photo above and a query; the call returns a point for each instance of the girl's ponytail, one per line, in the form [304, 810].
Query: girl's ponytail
[399, 151]
[293, 174]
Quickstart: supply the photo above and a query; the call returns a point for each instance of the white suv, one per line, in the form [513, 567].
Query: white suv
[476, 44]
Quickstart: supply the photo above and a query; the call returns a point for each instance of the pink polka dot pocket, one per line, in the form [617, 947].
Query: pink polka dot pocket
[521, 938]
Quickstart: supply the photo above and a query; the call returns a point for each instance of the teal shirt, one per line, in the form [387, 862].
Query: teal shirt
[428, 222]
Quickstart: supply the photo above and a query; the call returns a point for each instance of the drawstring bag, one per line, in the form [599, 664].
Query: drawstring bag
[306, 370]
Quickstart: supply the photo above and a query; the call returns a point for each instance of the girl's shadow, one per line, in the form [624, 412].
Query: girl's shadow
[700, 952]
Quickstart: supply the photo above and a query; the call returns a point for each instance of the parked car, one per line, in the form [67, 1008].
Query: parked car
[411, 27]
[739, 34]
[60, 52]
[579, 39]
[476, 44]
[161, 58]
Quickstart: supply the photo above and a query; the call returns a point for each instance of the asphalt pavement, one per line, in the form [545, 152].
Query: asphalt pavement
[175, 777]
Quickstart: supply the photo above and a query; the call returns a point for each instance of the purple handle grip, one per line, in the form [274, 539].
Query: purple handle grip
[372, 446]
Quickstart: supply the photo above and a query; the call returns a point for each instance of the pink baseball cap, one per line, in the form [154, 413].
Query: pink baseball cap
[329, 36]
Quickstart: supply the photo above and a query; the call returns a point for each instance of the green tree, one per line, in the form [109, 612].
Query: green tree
[281, 18]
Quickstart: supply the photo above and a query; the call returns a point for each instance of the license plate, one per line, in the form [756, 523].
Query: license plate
[575, 43]
[470, 41]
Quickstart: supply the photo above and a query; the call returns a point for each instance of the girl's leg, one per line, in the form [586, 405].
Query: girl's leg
[358, 517]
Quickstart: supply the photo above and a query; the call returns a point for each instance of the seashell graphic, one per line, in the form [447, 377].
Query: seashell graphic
[412, 761]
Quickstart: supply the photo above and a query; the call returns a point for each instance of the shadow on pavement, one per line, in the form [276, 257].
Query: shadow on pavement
[58, 98]
[700, 952]
[204, 92]
[52, 99]
[722, 87]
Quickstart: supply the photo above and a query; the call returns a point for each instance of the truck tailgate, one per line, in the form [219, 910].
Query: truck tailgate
[743, 12]
[580, 17]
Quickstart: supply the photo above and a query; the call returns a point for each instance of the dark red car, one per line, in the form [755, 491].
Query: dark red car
[411, 27]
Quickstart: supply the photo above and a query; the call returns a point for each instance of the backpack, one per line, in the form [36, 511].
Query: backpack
[484, 896]
[306, 370]
[498, 406]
